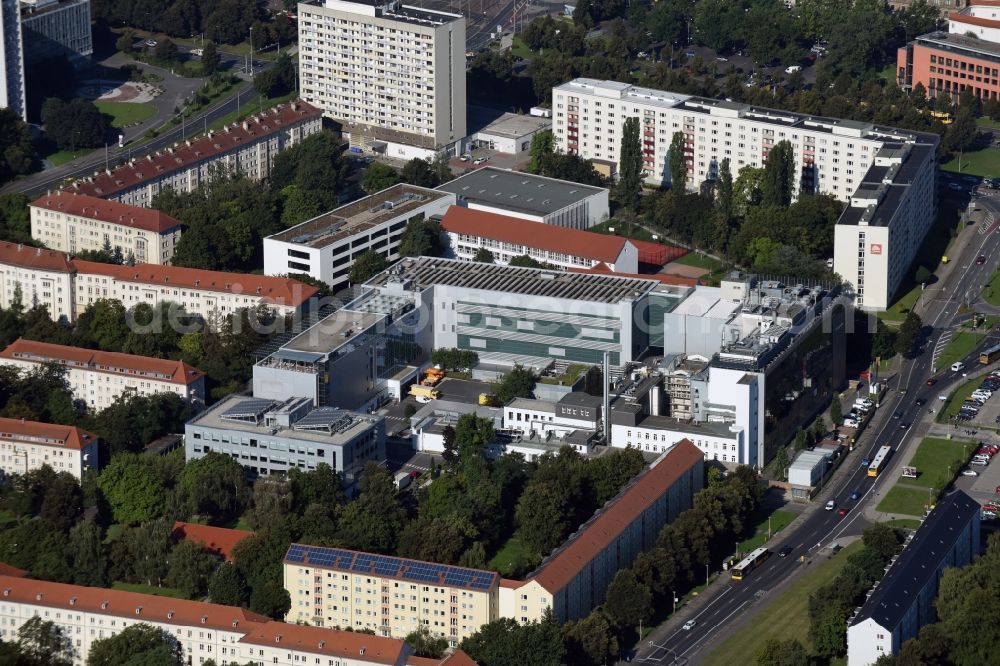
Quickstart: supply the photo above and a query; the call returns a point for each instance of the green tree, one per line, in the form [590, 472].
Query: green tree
[270, 599]
[627, 601]
[782, 653]
[134, 488]
[421, 238]
[677, 161]
[591, 641]
[883, 341]
[426, 645]
[166, 51]
[17, 154]
[725, 203]
[125, 41]
[963, 133]
[90, 561]
[505, 642]
[883, 540]
[210, 59]
[377, 177]
[368, 264]
[214, 486]
[374, 520]
[419, 172]
[190, 568]
[316, 165]
[826, 631]
[227, 586]
[524, 261]
[484, 256]
[43, 642]
[519, 382]
[75, 124]
[836, 411]
[138, 644]
[542, 144]
[298, 205]
[781, 463]
[630, 164]
[779, 176]
[909, 334]
[544, 517]
[472, 435]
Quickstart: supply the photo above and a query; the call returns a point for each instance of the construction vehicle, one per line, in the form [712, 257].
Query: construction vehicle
[424, 393]
[433, 376]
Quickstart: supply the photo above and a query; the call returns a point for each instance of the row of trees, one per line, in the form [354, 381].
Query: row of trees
[420, 172]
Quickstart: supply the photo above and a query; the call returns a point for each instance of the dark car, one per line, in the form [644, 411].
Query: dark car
[980, 260]
[897, 415]
[865, 462]
[842, 511]
[904, 425]
[920, 402]
[785, 552]
[931, 381]
[856, 494]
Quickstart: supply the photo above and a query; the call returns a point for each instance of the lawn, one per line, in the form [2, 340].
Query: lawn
[567, 378]
[699, 260]
[62, 156]
[991, 292]
[780, 519]
[888, 72]
[149, 589]
[954, 402]
[961, 345]
[986, 322]
[898, 310]
[513, 559]
[987, 122]
[784, 616]
[126, 113]
[907, 500]
[937, 461]
[903, 523]
[520, 50]
[984, 162]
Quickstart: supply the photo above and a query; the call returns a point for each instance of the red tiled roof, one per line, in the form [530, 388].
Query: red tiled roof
[973, 20]
[602, 269]
[218, 540]
[182, 155]
[113, 212]
[459, 658]
[257, 629]
[35, 257]
[558, 571]
[278, 290]
[575, 242]
[177, 372]
[69, 437]
[320, 640]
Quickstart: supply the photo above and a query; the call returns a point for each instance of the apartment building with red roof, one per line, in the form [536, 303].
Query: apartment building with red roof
[28, 445]
[470, 230]
[101, 378]
[203, 631]
[247, 147]
[454, 602]
[217, 540]
[73, 222]
[66, 286]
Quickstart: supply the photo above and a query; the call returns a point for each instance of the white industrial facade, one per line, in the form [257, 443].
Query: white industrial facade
[393, 74]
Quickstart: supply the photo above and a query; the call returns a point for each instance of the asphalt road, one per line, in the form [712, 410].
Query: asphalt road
[38, 183]
[670, 644]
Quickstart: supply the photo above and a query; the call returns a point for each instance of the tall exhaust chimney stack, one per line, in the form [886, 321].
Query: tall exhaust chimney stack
[606, 415]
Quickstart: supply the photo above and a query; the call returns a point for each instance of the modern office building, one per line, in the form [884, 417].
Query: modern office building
[56, 27]
[71, 222]
[269, 437]
[326, 246]
[903, 601]
[225, 634]
[505, 237]
[100, 378]
[392, 596]
[831, 155]
[247, 147]
[28, 445]
[392, 74]
[880, 232]
[945, 62]
[535, 198]
[12, 83]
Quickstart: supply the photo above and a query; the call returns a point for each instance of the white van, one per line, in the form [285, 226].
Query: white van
[792, 69]
[957, 366]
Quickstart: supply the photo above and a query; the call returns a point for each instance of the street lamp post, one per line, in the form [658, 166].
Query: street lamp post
[251, 51]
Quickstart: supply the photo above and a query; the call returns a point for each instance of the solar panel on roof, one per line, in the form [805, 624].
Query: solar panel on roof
[324, 417]
[250, 408]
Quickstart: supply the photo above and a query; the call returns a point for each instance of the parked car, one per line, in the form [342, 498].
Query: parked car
[151, 43]
[969, 472]
[792, 69]
[980, 463]
[831, 505]
[480, 160]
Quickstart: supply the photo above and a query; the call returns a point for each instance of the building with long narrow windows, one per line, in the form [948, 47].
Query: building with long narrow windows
[54, 28]
[12, 94]
[392, 74]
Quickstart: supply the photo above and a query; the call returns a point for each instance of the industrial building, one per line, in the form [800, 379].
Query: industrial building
[535, 198]
[26, 446]
[269, 437]
[903, 601]
[325, 247]
[393, 75]
[247, 147]
[510, 134]
[505, 237]
[101, 379]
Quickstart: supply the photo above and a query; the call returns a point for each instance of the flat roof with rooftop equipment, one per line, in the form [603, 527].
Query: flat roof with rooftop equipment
[518, 191]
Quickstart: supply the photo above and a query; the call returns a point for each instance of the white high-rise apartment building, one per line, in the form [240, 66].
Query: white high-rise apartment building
[885, 174]
[11, 58]
[392, 74]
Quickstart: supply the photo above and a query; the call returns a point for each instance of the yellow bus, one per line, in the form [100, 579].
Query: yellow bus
[879, 461]
[750, 562]
[987, 356]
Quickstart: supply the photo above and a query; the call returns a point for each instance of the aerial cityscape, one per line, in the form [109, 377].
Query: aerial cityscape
[518, 333]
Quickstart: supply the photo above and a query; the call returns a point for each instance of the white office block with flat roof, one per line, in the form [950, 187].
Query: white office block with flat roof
[536, 198]
[269, 437]
[326, 246]
[392, 74]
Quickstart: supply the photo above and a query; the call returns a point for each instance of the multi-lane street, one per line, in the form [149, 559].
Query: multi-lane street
[727, 601]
